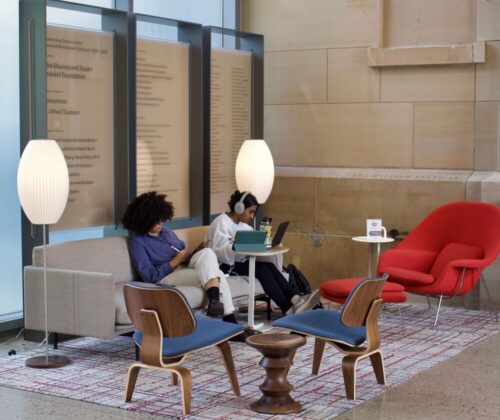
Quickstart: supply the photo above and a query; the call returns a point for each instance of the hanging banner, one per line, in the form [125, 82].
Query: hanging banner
[163, 121]
[230, 120]
[81, 119]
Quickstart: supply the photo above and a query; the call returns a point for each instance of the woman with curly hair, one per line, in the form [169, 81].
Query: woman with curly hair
[220, 235]
[157, 255]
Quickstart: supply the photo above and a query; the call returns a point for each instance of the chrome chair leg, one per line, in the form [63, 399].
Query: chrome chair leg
[428, 302]
[438, 308]
[489, 297]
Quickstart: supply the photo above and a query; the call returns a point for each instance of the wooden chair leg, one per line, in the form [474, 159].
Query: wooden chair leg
[292, 354]
[133, 372]
[319, 347]
[227, 357]
[349, 371]
[378, 367]
[186, 386]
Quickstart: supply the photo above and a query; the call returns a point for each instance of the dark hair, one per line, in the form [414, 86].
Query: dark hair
[146, 211]
[249, 200]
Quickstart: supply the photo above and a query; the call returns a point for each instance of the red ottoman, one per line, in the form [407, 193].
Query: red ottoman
[338, 290]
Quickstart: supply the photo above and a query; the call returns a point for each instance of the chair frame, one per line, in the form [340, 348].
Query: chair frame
[457, 293]
[178, 321]
[362, 308]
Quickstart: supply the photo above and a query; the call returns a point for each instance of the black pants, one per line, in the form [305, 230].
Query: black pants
[272, 281]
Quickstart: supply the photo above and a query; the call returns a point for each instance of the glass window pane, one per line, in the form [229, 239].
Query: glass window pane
[11, 293]
[206, 12]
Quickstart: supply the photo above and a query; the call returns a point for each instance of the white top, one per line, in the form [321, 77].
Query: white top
[271, 251]
[373, 239]
[221, 233]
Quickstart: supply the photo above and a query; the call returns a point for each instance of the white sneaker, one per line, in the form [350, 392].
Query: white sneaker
[304, 303]
[290, 311]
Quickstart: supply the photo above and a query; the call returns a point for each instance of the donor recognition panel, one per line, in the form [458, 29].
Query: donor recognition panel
[230, 120]
[80, 118]
[163, 121]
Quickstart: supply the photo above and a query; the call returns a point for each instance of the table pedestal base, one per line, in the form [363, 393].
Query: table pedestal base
[277, 351]
[278, 405]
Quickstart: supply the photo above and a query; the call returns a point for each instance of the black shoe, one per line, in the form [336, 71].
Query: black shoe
[250, 331]
[215, 308]
[247, 332]
[240, 338]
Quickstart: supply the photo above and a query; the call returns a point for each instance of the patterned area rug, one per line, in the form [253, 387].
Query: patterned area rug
[99, 369]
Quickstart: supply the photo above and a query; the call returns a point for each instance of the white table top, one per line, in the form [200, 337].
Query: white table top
[373, 239]
[271, 251]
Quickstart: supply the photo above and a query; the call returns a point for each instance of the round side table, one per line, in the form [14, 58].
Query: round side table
[371, 241]
[276, 350]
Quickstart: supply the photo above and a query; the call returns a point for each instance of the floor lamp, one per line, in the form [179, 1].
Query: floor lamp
[255, 169]
[43, 188]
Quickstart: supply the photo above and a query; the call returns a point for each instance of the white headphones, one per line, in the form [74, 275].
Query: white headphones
[239, 207]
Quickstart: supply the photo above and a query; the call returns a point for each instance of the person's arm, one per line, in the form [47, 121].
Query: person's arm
[143, 265]
[221, 236]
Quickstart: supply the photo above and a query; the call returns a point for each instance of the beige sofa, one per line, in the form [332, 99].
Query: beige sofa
[85, 282]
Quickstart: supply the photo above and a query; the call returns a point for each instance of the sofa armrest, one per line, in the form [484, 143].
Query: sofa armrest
[79, 302]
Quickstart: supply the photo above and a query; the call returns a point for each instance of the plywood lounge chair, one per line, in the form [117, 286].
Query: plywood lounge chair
[168, 332]
[353, 331]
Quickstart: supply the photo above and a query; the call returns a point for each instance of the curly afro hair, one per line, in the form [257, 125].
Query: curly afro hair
[146, 211]
[249, 200]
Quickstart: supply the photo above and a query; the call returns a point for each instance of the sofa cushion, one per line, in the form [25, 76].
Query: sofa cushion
[455, 251]
[409, 277]
[239, 286]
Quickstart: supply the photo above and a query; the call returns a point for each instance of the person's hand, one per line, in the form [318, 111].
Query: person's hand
[179, 258]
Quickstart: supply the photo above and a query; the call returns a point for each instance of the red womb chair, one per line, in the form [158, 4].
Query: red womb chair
[446, 253]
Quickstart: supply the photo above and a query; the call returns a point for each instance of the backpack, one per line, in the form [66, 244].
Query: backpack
[297, 280]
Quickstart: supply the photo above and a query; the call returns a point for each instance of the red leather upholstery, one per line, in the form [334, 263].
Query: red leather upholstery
[454, 237]
[338, 290]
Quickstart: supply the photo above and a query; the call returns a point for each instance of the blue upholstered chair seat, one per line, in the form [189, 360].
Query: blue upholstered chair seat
[323, 323]
[208, 332]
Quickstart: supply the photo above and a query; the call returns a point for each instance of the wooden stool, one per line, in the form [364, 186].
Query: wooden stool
[277, 351]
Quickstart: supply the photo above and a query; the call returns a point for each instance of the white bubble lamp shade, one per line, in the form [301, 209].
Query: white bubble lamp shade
[255, 169]
[43, 188]
[43, 182]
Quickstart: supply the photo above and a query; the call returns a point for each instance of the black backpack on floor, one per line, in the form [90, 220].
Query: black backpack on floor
[297, 280]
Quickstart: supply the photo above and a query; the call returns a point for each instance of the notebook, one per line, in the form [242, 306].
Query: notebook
[200, 246]
[278, 236]
[249, 241]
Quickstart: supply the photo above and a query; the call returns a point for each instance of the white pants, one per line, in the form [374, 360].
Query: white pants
[202, 267]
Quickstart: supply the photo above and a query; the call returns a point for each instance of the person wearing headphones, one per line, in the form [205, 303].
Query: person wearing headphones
[220, 236]
[157, 255]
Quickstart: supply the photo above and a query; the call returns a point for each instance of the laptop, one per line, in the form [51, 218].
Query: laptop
[278, 236]
[250, 241]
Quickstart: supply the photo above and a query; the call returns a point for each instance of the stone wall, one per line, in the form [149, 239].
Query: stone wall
[353, 142]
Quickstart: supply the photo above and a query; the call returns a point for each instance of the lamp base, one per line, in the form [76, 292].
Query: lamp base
[47, 362]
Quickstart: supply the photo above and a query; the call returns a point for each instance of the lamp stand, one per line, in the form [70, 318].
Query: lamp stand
[46, 362]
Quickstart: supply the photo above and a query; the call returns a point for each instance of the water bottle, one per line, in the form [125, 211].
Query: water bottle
[268, 229]
[262, 226]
